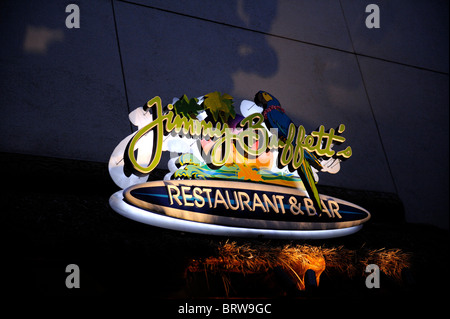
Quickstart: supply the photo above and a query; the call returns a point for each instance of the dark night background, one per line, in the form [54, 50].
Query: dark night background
[66, 94]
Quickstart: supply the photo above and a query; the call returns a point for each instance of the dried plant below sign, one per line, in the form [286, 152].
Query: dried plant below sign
[295, 260]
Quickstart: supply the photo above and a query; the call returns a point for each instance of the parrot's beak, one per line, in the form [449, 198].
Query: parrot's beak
[259, 99]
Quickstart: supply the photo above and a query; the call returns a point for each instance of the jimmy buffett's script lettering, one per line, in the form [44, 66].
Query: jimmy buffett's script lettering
[292, 151]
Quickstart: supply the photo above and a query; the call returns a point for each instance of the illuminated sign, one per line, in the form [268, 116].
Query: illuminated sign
[253, 174]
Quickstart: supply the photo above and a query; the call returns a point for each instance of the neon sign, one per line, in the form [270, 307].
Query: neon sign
[229, 174]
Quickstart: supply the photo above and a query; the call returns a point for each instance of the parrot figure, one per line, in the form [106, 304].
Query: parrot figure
[275, 117]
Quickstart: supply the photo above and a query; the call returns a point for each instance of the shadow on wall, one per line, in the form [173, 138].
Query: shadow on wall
[169, 54]
[256, 51]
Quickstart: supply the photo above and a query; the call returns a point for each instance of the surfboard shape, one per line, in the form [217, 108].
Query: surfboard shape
[237, 208]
